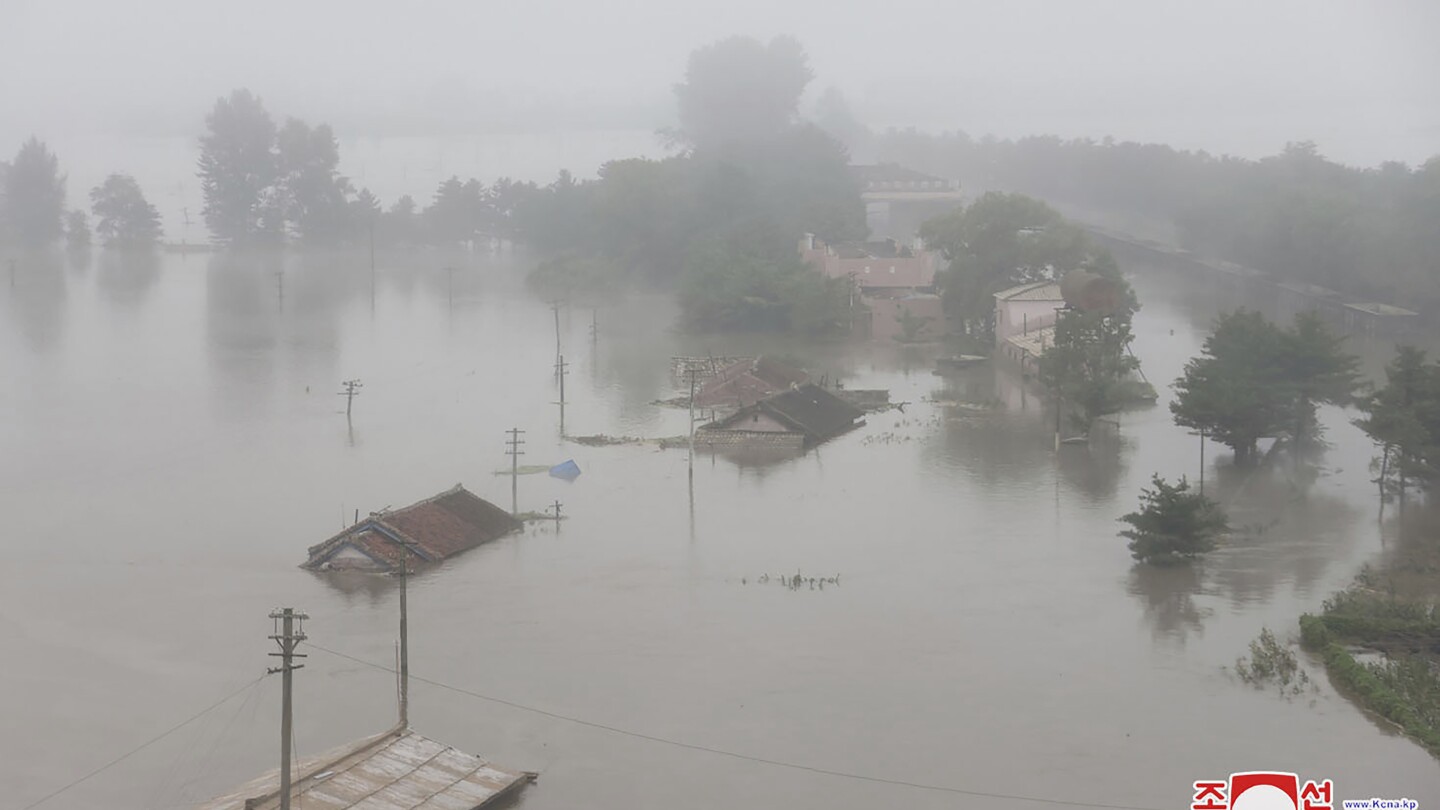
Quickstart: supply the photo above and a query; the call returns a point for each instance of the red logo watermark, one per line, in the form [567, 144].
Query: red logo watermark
[1263, 790]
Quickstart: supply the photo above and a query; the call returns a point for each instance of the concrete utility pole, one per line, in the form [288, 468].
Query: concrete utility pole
[352, 390]
[515, 453]
[560, 372]
[289, 632]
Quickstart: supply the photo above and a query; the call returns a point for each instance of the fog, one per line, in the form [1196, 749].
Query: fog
[1361, 79]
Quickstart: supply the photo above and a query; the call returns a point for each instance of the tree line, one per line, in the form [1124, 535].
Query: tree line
[33, 213]
[1372, 233]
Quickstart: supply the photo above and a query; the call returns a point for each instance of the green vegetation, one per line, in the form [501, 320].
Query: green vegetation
[1404, 687]
[999, 241]
[1089, 365]
[1173, 524]
[1403, 419]
[124, 218]
[1270, 661]
[1295, 214]
[1256, 380]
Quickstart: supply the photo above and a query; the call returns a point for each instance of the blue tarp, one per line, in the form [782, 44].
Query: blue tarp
[567, 470]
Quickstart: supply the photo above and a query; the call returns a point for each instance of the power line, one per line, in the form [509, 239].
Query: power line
[132, 752]
[736, 755]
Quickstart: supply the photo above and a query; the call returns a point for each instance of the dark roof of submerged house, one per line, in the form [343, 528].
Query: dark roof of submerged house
[748, 381]
[807, 409]
[440, 526]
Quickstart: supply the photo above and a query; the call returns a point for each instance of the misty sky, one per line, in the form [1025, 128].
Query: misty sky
[1362, 78]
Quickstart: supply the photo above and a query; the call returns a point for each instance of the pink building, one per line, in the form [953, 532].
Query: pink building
[874, 266]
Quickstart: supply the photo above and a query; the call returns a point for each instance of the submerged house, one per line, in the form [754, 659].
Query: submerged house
[746, 382]
[429, 531]
[794, 419]
[397, 770]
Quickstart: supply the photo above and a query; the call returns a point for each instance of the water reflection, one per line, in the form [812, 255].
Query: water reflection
[126, 277]
[36, 298]
[1167, 596]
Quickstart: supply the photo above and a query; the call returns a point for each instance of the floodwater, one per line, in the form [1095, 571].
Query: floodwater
[172, 442]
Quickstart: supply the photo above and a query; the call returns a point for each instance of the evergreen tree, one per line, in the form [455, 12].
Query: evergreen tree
[1403, 419]
[308, 174]
[238, 172]
[34, 196]
[1173, 524]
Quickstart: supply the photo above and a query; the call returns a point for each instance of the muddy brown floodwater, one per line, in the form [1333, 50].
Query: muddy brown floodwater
[172, 442]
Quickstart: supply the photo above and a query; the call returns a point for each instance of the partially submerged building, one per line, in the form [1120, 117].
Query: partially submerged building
[1025, 320]
[746, 382]
[397, 770]
[894, 283]
[426, 532]
[791, 420]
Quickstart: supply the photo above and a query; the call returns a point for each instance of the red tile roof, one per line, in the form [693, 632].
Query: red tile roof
[747, 382]
[438, 527]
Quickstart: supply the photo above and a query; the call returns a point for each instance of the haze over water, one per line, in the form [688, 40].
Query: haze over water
[179, 443]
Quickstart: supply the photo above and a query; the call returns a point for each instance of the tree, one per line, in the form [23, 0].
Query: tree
[459, 211]
[238, 172]
[308, 174]
[1403, 419]
[34, 196]
[1173, 524]
[833, 114]
[1316, 370]
[1231, 391]
[739, 90]
[123, 216]
[1256, 380]
[1000, 241]
[1088, 365]
[911, 325]
[77, 230]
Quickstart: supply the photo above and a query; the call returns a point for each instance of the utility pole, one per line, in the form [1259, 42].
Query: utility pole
[555, 307]
[404, 646]
[556, 507]
[372, 264]
[280, 288]
[289, 632]
[560, 372]
[594, 327]
[690, 370]
[515, 453]
[1202, 461]
[352, 390]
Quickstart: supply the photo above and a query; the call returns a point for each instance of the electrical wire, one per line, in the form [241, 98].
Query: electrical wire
[736, 755]
[132, 752]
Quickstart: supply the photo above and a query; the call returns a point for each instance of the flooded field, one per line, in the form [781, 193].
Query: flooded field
[172, 442]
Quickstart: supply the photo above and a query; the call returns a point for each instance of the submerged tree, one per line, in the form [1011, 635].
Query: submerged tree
[308, 175]
[1255, 380]
[1316, 370]
[34, 196]
[77, 230]
[1089, 364]
[999, 241]
[124, 218]
[739, 90]
[1173, 524]
[238, 172]
[1403, 419]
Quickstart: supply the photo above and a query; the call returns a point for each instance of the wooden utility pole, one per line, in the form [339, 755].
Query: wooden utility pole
[404, 646]
[515, 453]
[560, 372]
[555, 307]
[289, 632]
[690, 370]
[352, 390]
[556, 507]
